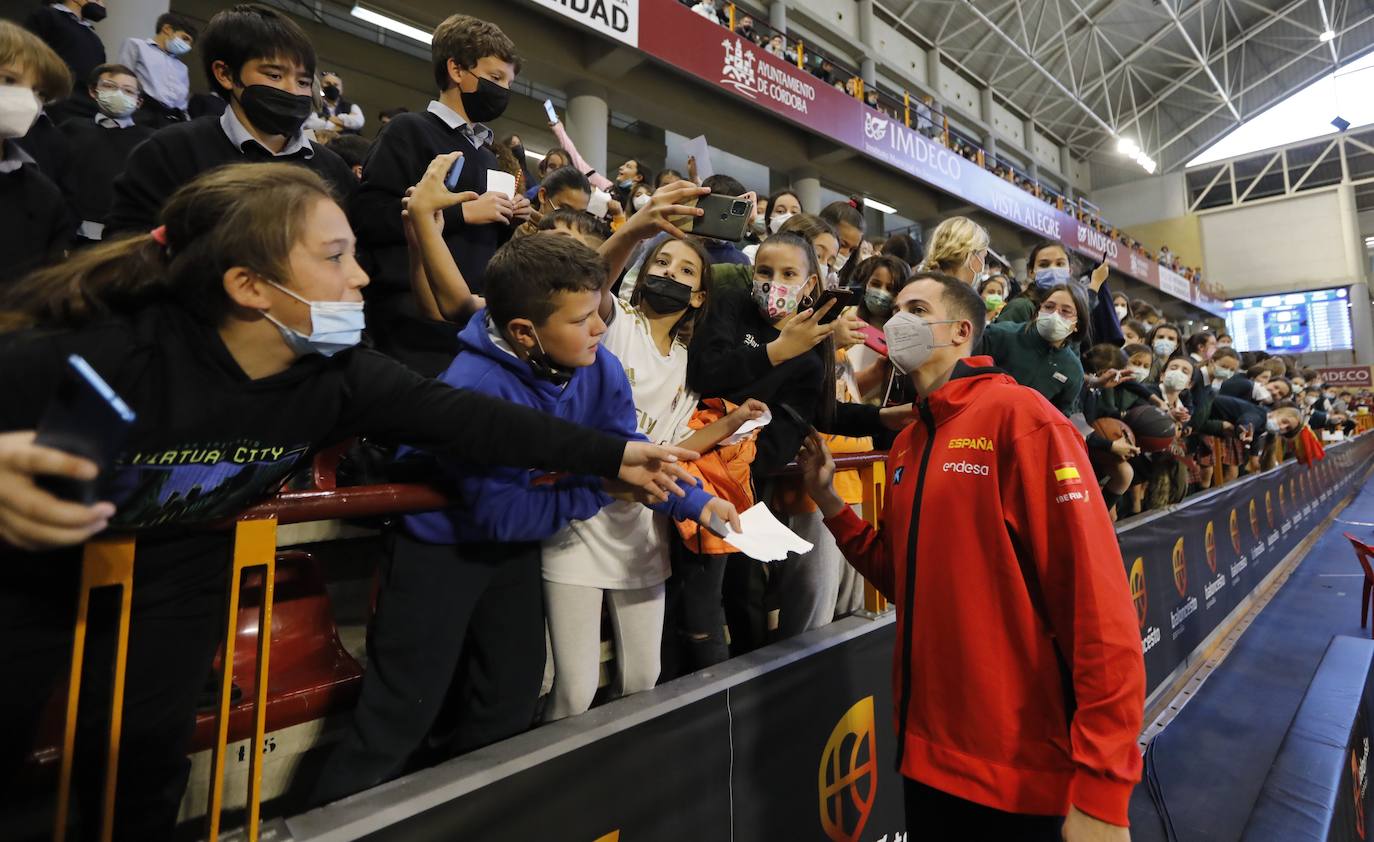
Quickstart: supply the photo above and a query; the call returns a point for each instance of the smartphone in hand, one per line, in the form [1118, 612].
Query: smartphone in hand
[548, 109]
[85, 418]
[723, 217]
[842, 298]
[451, 180]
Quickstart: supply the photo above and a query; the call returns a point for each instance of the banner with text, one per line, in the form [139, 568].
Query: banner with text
[616, 19]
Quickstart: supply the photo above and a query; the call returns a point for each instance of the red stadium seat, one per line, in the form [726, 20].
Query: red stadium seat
[312, 675]
[1364, 552]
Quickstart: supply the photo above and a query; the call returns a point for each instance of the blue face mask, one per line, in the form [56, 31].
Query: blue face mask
[334, 326]
[1052, 276]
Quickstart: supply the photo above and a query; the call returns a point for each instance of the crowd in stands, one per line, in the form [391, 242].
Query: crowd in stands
[258, 278]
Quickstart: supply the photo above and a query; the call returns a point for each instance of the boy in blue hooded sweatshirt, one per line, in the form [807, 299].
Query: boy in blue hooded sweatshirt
[456, 647]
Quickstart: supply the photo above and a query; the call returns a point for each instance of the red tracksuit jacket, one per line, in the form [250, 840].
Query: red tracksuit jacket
[1018, 676]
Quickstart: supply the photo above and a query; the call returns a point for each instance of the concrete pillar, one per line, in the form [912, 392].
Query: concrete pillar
[1066, 164]
[589, 115]
[127, 19]
[934, 71]
[867, 70]
[985, 109]
[777, 16]
[1028, 131]
[990, 145]
[807, 185]
[1361, 328]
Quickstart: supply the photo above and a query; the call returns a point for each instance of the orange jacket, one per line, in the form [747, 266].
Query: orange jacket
[724, 472]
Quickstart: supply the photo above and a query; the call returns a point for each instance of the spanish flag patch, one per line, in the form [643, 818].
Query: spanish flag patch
[1067, 474]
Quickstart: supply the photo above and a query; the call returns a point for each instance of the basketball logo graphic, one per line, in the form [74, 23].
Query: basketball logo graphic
[1138, 591]
[1254, 520]
[1180, 569]
[848, 780]
[1209, 547]
[1235, 532]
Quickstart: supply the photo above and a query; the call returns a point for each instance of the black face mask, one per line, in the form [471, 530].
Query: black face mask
[93, 12]
[331, 92]
[665, 295]
[487, 102]
[275, 111]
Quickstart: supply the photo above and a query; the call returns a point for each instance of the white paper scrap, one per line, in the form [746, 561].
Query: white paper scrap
[698, 148]
[750, 426]
[764, 538]
[500, 181]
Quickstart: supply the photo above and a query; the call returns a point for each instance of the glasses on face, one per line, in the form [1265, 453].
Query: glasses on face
[1066, 310]
[105, 85]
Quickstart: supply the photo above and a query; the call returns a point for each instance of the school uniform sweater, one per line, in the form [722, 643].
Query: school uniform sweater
[35, 223]
[515, 505]
[71, 38]
[99, 153]
[1022, 352]
[174, 156]
[397, 161]
[1018, 679]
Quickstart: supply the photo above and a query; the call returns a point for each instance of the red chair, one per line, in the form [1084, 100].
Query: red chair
[1364, 553]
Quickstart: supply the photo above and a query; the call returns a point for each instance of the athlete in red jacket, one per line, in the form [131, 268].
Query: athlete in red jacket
[1018, 676]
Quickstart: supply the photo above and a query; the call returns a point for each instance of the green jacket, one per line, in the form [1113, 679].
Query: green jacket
[1019, 310]
[1023, 353]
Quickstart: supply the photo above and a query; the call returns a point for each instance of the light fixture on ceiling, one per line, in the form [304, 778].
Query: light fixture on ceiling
[879, 206]
[391, 24]
[1326, 35]
[1341, 124]
[1132, 150]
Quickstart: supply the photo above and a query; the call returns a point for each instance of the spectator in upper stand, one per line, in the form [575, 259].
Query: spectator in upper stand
[959, 247]
[35, 224]
[67, 27]
[263, 65]
[101, 146]
[1042, 354]
[1166, 257]
[158, 64]
[385, 116]
[848, 219]
[353, 150]
[474, 64]
[777, 47]
[745, 28]
[336, 114]
[709, 9]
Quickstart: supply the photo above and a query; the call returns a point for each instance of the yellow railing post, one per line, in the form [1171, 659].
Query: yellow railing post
[105, 562]
[801, 55]
[906, 108]
[732, 17]
[255, 545]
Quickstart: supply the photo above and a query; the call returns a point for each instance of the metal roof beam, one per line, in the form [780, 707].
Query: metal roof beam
[1202, 62]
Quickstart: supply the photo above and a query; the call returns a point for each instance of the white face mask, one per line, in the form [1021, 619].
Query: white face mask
[778, 220]
[116, 103]
[178, 46]
[641, 200]
[1219, 373]
[1141, 373]
[1164, 347]
[1121, 313]
[1176, 381]
[19, 110]
[910, 340]
[334, 326]
[1053, 327]
[1272, 426]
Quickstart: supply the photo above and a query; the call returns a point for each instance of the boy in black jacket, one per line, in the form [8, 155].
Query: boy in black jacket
[263, 64]
[474, 66]
[101, 146]
[35, 225]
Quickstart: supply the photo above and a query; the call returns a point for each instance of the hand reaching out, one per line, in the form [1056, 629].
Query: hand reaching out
[799, 333]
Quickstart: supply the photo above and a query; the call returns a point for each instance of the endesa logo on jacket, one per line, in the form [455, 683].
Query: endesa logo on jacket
[848, 779]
